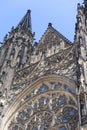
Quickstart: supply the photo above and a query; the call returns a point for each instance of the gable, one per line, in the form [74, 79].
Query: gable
[51, 38]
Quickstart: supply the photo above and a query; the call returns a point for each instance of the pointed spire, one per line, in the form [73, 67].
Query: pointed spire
[25, 23]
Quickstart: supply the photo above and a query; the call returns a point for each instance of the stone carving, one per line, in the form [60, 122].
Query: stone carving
[31, 98]
[48, 110]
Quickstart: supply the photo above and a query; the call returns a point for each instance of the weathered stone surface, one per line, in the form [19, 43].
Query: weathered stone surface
[43, 86]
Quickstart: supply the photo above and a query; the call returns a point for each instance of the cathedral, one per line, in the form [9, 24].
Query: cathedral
[43, 85]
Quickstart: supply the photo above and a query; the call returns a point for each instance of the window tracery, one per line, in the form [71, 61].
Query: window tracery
[49, 105]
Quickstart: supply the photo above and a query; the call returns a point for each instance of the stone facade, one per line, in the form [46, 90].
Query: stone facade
[43, 86]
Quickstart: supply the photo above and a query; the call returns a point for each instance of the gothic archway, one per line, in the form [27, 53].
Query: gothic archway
[47, 104]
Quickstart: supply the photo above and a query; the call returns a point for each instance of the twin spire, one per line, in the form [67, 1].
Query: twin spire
[25, 23]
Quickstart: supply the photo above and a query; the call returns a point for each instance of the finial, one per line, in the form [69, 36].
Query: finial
[49, 24]
[28, 11]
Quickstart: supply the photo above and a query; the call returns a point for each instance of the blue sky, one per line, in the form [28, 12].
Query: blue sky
[61, 13]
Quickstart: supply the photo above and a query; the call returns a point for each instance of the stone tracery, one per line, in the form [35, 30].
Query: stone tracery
[47, 107]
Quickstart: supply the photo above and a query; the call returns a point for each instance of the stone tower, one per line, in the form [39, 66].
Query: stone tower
[43, 86]
[81, 58]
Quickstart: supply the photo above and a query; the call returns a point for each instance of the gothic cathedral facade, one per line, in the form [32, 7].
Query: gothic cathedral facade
[43, 86]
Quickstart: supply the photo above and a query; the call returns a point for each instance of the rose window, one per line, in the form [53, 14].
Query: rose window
[50, 105]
